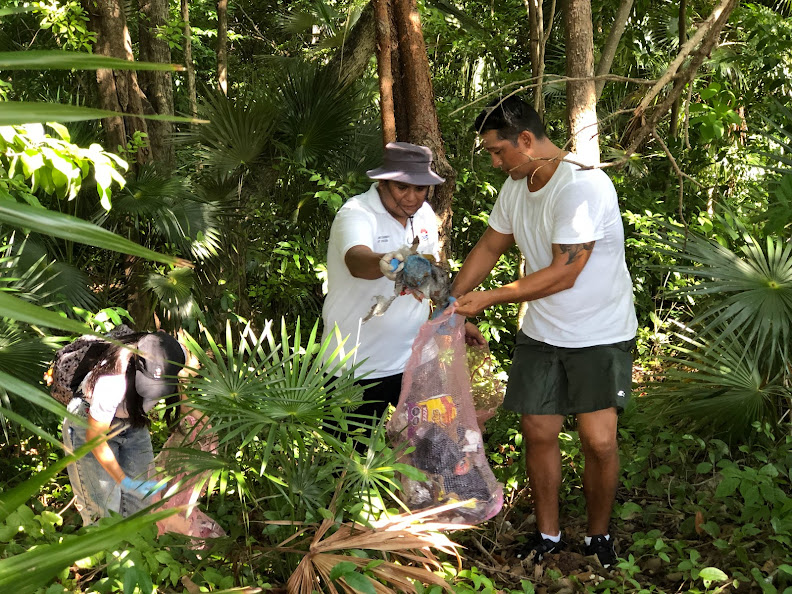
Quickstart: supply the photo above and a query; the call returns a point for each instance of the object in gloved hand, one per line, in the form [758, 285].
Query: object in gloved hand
[393, 262]
[414, 274]
[140, 488]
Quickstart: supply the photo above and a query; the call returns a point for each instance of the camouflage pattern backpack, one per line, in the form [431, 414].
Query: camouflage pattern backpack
[74, 361]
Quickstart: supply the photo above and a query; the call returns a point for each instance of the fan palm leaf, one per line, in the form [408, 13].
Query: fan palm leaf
[749, 290]
[317, 114]
[178, 213]
[717, 385]
[411, 537]
[174, 290]
[249, 388]
[285, 401]
[239, 133]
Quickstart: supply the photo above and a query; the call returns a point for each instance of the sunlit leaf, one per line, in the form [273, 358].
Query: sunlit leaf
[65, 60]
[14, 113]
[65, 226]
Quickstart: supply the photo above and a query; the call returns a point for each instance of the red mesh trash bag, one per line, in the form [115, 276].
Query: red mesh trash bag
[436, 416]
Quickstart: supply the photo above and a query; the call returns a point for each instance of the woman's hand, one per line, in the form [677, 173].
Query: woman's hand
[141, 489]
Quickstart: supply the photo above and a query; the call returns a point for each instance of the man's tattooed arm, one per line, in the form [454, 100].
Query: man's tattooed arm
[574, 250]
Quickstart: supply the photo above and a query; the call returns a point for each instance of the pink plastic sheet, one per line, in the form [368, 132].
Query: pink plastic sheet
[192, 521]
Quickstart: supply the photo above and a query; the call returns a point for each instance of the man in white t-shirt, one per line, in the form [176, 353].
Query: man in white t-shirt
[574, 350]
[366, 236]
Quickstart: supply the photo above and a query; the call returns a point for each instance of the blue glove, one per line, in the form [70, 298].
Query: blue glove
[447, 327]
[439, 310]
[139, 488]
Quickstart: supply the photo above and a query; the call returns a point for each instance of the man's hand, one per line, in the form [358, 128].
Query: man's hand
[141, 489]
[473, 336]
[473, 303]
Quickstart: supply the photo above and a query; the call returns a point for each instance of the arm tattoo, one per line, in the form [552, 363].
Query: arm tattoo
[574, 250]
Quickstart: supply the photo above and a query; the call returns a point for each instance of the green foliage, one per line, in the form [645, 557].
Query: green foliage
[69, 22]
[33, 160]
[730, 370]
[715, 114]
[729, 504]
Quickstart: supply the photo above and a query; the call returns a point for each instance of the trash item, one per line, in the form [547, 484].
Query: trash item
[436, 416]
[419, 276]
[192, 521]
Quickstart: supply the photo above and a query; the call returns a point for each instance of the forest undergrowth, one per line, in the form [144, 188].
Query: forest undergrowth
[692, 515]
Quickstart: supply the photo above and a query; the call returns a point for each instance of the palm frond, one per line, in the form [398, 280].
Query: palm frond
[239, 132]
[409, 537]
[719, 386]
[749, 290]
[174, 290]
[23, 355]
[317, 113]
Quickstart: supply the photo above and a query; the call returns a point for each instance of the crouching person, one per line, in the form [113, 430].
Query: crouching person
[115, 397]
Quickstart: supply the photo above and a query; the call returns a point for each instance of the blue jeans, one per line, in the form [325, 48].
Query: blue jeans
[96, 493]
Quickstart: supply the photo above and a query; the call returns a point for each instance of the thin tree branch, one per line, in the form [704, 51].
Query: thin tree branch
[551, 79]
[640, 133]
[680, 174]
[725, 7]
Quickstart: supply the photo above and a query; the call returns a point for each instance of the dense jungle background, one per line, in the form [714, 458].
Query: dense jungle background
[199, 199]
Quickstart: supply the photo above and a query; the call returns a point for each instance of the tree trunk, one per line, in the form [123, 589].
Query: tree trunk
[384, 70]
[188, 59]
[581, 94]
[350, 62]
[118, 89]
[674, 125]
[421, 112]
[614, 36]
[537, 50]
[222, 46]
[157, 86]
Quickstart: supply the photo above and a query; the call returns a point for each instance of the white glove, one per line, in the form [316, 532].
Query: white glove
[393, 262]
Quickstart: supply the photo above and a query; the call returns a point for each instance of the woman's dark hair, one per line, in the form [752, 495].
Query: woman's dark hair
[118, 359]
[508, 117]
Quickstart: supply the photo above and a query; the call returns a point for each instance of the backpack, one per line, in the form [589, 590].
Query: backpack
[74, 361]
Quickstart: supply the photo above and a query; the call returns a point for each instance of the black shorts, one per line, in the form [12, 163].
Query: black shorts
[549, 380]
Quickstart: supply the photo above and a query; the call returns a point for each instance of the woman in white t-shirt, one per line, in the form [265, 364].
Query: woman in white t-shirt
[115, 398]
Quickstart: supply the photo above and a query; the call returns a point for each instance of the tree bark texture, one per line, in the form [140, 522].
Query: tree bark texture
[189, 67]
[157, 86]
[118, 89]
[351, 60]
[418, 100]
[384, 70]
[612, 43]
[222, 46]
[641, 125]
[537, 50]
[581, 94]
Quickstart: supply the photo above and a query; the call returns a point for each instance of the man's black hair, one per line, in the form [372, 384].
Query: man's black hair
[509, 117]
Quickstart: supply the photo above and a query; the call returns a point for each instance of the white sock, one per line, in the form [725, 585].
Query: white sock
[553, 538]
[587, 540]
